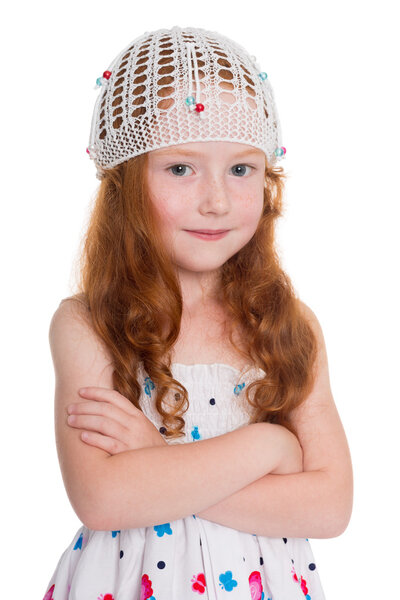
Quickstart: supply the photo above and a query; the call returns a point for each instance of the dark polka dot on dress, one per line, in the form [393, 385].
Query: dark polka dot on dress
[161, 564]
[285, 540]
[162, 430]
[212, 401]
[121, 553]
[312, 566]
[261, 560]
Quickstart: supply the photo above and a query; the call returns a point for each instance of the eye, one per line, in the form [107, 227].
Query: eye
[241, 168]
[180, 169]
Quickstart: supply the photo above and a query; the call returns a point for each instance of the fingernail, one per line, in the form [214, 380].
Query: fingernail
[83, 390]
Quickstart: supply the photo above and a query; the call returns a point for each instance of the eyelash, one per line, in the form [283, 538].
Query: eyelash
[184, 165]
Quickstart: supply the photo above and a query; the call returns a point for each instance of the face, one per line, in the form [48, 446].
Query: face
[206, 185]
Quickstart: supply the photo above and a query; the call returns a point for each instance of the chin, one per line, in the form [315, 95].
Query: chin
[200, 266]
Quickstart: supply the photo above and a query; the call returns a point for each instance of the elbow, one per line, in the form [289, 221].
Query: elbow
[340, 508]
[84, 509]
[106, 516]
[90, 518]
[343, 519]
[98, 518]
[94, 514]
[332, 524]
[333, 505]
[338, 528]
[92, 522]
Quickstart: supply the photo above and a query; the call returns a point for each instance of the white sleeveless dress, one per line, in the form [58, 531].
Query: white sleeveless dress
[190, 557]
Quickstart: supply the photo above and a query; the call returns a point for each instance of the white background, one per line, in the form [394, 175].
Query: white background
[334, 70]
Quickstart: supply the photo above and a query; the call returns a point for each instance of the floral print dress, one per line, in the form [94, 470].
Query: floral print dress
[190, 557]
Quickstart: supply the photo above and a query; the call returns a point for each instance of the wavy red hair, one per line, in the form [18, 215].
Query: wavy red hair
[134, 304]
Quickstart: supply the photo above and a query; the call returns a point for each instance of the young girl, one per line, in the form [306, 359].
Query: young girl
[196, 431]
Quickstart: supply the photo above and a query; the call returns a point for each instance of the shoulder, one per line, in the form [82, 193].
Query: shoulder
[75, 307]
[73, 339]
[312, 320]
[70, 318]
[310, 316]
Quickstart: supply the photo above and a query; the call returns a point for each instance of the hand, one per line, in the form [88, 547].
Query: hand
[111, 422]
[292, 453]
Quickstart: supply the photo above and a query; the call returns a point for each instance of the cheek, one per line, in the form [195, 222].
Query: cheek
[251, 209]
[172, 214]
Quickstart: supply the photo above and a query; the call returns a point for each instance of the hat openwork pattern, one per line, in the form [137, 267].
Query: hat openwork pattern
[145, 106]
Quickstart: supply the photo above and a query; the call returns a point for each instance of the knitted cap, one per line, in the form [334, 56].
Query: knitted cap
[147, 98]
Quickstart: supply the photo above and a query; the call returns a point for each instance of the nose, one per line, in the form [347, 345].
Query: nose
[215, 197]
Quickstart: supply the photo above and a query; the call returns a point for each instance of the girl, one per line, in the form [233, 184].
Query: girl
[205, 448]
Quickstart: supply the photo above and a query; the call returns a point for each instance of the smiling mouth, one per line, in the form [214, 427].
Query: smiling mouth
[217, 234]
[208, 231]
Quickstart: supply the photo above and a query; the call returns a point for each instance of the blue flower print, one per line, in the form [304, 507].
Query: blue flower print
[114, 533]
[78, 545]
[162, 529]
[148, 386]
[195, 433]
[238, 388]
[227, 582]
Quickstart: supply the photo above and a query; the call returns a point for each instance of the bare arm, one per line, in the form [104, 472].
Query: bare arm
[148, 485]
[314, 503]
[306, 505]
[156, 485]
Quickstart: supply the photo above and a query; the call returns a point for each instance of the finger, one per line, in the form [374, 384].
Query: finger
[97, 407]
[100, 424]
[110, 445]
[107, 395]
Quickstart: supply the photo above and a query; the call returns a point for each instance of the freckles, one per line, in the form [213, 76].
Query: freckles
[251, 211]
[248, 202]
[252, 205]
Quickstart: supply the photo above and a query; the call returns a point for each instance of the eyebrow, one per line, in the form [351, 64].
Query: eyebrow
[183, 152]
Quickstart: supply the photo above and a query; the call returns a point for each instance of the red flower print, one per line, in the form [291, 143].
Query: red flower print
[303, 586]
[199, 584]
[302, 582]
[105, 597]
[49, 594]
[256, 588]
[146, 590]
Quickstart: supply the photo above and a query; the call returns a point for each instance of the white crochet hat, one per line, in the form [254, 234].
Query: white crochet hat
[146, 98]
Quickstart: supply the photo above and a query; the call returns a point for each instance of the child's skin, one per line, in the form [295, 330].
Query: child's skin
[218, 189]
[282, 500]
[188, 475]
[108, 412]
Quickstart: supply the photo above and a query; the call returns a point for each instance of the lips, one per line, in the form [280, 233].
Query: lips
[202, 234]
[211, 231]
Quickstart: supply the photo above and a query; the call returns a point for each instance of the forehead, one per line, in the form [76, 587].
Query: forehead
[209, 149]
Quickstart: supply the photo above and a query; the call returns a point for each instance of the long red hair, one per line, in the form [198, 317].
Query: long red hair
[133, 299]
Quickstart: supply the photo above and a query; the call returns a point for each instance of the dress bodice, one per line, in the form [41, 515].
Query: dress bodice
[217, 400]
